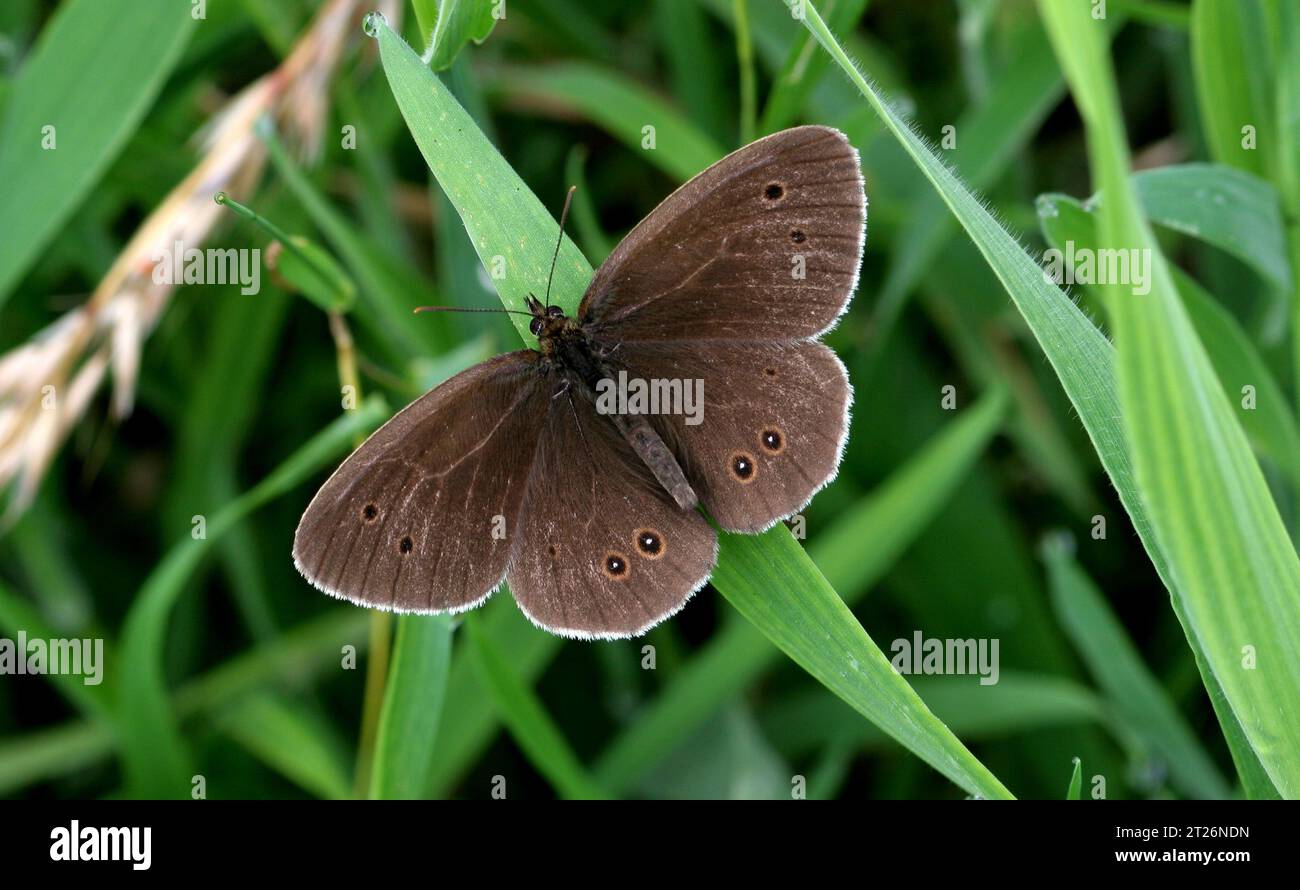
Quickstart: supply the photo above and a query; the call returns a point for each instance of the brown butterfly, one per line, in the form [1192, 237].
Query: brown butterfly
[509, 471]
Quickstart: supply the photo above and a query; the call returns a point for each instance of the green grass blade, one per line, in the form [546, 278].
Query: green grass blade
[890, 519]
[1228, 91]
[804, 68]
[1082, 358]
[805, 721]
[413, 699]
[471, 720]
[622, 107]
[94, 72]
[1134, 692]
[1230, 556]
[513, 232]
[447, 27]
[1223, 206]
[694, 70]
[988, 137]
[1271, 424]
[154, 754]
[292, 741]
[815, 628]
[530, 725]
[287, 660]
[1076, 781]
[17, 615]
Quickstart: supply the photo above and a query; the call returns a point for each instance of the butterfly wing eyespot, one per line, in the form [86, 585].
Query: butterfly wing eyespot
[774, 191]
[406, 545]
[649, 543]
[369, 513]
[615, 566]
[771, 439]
[742, 467]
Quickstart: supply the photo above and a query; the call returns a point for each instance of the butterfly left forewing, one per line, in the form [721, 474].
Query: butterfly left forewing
[772, 422]
[604, 551]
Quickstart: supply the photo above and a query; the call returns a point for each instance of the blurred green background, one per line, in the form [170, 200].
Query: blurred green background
[973, 521]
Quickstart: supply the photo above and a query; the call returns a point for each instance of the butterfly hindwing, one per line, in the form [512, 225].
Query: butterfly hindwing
[604, 550]
[763, 245]
[418, 518]
[772, 427]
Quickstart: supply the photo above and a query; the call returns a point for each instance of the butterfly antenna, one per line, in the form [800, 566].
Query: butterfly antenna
[564, 214]
[467, 309]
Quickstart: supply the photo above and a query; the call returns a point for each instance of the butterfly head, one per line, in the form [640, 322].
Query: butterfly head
[549, 322]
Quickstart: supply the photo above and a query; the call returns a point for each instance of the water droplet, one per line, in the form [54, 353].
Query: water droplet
[1047, 208]
[370, 24]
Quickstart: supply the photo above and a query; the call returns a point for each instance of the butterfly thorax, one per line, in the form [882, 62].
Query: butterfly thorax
[578, 362]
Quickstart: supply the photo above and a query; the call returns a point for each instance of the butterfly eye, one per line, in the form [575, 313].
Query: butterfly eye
[536, 326]
[555, 312]
[615, 566]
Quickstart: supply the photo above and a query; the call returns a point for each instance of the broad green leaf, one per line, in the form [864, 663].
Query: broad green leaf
[530, 725]
[413, 698]
[155, 756]
[448, 25]
[502, 215]
[95, 70]
[1131, 689]
[1226, 549]
[888, 520]
[1082, 358]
